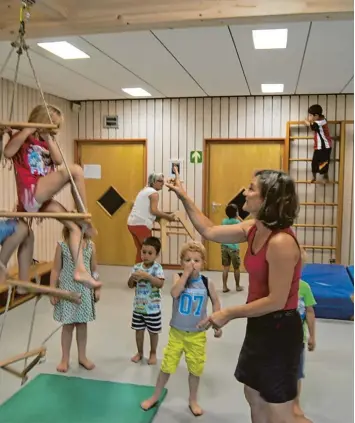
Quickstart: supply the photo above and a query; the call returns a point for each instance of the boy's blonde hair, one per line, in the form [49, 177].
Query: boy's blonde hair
[193, 246]
[39, 114]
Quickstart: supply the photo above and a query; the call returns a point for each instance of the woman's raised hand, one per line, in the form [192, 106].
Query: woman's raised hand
[174, 184]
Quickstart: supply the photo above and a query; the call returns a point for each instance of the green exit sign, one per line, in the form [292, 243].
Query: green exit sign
[196, 156]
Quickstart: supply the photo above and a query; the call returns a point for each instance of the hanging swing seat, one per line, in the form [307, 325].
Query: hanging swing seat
[31, 287]
[21, 125]
[21, 47]
[45, 215]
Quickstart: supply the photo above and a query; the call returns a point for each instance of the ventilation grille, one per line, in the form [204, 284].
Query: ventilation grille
[111, 122]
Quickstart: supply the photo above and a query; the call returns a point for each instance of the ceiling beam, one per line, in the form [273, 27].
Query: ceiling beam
[50, 18]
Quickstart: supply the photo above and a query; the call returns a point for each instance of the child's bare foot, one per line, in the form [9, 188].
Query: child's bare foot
[137, 358]
[149, 403]
[152, 359]
[87, 364]
[86, 279]
[63, 367]
[239, 288]
[195, 409]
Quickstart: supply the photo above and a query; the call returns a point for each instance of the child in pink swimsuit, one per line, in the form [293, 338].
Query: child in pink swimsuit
[35, 154]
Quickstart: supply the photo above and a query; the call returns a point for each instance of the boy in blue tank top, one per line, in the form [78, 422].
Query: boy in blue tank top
[190, 293]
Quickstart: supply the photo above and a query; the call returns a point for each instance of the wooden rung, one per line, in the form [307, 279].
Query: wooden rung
[309, 225]
[335, 138]
[73, 297]
[301, 138]
[185, 223]
[175, 233]
[317, 182]
[37, 351]
[12, 371]
[44, 215]
[301, 122]
[21, 125]
[318, 247]
[319, 204]
[168, 227]
[309, 160]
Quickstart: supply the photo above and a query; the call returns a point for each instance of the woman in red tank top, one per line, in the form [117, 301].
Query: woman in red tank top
[270, 356]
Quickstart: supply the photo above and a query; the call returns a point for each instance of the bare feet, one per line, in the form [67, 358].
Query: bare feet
[152, 359]
[226, 290]
[149, 403]
[137, 358]
[86, 279]
[87, 364]
[63, 367]
[195, 409]
[239, 288]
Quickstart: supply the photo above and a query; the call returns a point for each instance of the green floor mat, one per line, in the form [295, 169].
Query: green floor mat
[61, 399]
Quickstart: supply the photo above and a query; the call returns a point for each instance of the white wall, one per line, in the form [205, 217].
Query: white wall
[174, 127]
[48, 232]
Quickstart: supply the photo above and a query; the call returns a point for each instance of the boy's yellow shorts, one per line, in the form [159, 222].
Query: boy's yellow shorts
[193, 344]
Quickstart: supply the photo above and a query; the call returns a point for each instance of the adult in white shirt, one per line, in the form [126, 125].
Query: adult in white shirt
[145, 211]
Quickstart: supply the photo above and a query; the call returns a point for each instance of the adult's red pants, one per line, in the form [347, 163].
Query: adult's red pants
[139, 234]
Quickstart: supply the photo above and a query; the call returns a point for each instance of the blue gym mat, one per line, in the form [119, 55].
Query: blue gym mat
[351, 272]
[332, 288]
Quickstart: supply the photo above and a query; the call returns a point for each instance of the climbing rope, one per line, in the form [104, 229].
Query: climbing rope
[21, 46]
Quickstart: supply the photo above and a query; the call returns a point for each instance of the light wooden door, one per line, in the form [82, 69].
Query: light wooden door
[123, 169]
[230, 168]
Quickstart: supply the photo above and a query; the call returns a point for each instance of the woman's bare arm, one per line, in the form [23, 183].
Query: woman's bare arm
[154, 200]
[228, 234]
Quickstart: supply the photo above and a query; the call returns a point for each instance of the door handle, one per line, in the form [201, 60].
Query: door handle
[215, 206]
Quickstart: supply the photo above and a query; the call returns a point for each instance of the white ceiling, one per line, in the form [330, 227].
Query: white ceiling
[194, 62]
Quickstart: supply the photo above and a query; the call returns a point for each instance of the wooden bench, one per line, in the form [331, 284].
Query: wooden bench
[43, 271]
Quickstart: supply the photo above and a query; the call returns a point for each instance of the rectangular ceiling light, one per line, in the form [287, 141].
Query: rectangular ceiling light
[64, 50]
[272, 88]
[270, 38]
[136, 92]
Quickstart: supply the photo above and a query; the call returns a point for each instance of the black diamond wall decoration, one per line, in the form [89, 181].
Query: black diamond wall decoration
[111, 201]
[239, 201]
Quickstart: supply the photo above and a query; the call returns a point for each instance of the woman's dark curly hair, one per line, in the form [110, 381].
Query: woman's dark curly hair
[280, 207]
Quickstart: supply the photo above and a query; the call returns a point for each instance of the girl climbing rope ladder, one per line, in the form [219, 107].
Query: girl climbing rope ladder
[35, 153]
